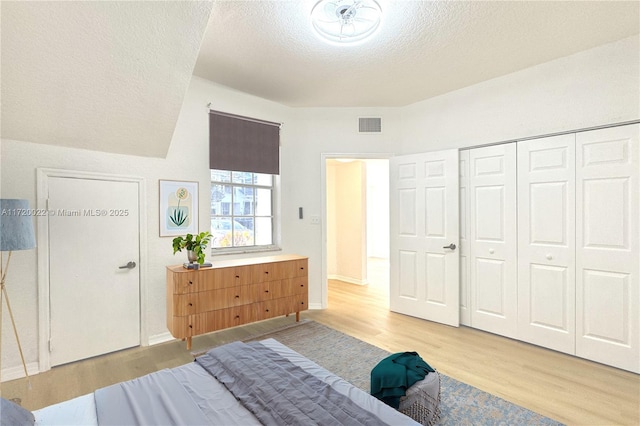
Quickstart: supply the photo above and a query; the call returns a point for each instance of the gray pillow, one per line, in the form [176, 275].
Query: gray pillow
[13, 414]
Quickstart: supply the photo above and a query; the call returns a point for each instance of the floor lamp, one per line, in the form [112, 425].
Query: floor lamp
[16, 233]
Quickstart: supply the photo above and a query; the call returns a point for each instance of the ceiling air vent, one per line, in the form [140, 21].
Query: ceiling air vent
[369, 125]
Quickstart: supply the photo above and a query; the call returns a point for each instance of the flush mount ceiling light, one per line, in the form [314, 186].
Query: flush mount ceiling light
[346, 21]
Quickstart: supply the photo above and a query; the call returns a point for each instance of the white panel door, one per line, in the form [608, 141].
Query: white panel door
[546, 242]
[424, 275]
[465, 266]
[94, 304]
[607, 257]
[492, 184]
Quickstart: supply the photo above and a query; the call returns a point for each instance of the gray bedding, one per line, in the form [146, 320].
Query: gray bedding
[154, 399]
[278, 392]
[190, 395]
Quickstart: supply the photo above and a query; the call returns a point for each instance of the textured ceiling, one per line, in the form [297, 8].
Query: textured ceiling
[423, 48]
[101, 75]
[111, 75]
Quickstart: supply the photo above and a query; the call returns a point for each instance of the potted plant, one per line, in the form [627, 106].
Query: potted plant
[194, 244]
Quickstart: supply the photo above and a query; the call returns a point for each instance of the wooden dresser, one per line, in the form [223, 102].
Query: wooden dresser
[234, 292]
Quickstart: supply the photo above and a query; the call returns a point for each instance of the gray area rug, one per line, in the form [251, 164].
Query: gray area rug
[353, 360]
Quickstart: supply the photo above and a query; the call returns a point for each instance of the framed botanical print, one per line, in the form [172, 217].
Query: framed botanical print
[178, 208]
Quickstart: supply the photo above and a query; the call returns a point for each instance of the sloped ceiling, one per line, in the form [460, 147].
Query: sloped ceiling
[422, 49]
[101, 75]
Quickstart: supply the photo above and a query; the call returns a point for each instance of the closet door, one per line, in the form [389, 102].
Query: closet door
[465, 266]
[492, 184]
[607, 257]
[546, 242]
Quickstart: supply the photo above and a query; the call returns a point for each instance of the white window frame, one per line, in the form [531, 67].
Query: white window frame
[275, 222]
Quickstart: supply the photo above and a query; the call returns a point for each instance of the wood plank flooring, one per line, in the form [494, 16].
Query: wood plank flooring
[568, 389]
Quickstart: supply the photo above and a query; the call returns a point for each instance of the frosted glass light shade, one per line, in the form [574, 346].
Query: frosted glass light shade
[346, 21]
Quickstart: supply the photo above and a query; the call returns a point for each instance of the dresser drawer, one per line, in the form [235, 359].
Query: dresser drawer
[183, 282]
[274, 289]
[263, 272]
[226, 298]
[284, 306]
[301, 268]
[184, 304]
[219, 278]
[267, 290]
[290, 269]
[276, 308]
[300, 301]
[237, 315]
[221, 319]
[179, 327]
[297, 285]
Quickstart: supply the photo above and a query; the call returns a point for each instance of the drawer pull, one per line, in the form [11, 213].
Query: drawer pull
[237, 276]
[190, 304]
[190, 282]
[190, 326]
[266, 272]
[267, 310]
[237, 297]
[266, 291]
[237, 316]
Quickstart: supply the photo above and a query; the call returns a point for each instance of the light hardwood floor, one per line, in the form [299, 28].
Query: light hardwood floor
[565, 388]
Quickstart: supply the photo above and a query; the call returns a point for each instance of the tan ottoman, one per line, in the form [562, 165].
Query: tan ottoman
[422, 400]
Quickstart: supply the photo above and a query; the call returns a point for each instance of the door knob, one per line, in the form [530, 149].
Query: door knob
[129, 265]
[450, 246]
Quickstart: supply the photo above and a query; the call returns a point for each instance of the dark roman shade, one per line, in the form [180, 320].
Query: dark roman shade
[243, 144]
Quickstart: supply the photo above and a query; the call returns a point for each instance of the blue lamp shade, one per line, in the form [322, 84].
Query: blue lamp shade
[16, 225]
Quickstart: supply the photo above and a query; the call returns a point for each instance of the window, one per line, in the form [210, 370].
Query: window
[241, 209]
[244, 161]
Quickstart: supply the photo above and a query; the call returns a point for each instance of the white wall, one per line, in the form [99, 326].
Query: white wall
[187, 159]
[346, 221]
[304, 136]
[312, 133]
[596, 87]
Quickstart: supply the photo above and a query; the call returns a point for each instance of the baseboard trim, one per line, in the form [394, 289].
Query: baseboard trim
[17, 372]
[160, 338]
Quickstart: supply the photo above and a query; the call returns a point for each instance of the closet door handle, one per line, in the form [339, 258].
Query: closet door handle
[450, 246]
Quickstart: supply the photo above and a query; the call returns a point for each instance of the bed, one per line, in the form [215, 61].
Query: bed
[272, 384]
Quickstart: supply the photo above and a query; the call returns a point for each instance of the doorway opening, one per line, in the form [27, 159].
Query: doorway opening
[356, 213]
